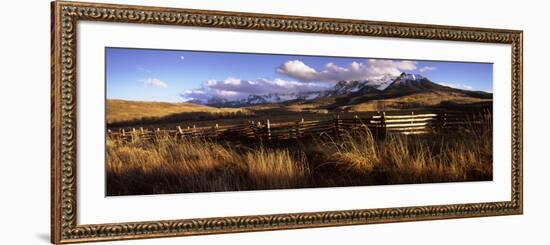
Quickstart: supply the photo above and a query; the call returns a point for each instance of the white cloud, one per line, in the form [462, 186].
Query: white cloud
[354, 71]
[154, 82]
[427, 68]
[297, 69]
[381, 67]
[234, 89]
[456, 85]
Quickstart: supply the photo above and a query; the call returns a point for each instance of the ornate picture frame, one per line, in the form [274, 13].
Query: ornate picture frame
[64, 187]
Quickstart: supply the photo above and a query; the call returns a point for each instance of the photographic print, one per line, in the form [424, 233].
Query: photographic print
[330, 113]
[199, 121]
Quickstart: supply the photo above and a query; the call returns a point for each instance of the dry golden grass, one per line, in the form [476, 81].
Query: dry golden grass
[197, 165]
[310, 107]
[125, 110]
[415, 159]
[356, 158]
[291, 108]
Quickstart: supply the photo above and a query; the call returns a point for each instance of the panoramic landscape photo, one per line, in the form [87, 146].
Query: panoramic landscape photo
[180, 121]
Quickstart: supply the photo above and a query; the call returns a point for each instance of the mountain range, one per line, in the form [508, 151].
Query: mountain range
[385, 93]
[345, 93]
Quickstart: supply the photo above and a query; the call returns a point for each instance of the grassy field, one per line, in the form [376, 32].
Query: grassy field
[355, 158]
[124, 110]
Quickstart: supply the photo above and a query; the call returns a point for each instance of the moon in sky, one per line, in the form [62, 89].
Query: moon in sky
[182, 58]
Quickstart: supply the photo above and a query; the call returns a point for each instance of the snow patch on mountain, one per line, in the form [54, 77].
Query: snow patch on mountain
[381, 82]
[405, 77]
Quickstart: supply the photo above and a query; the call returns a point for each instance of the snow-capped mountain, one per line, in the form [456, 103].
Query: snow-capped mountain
[384, 84]
[344, 87]
[255, 99]
[370, 85]
[413, 82]
[381, 82]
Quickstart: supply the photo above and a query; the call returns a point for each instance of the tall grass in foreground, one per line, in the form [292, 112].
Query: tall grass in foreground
[465, 156]
[412, 159]
[198, 165]
[355, 158]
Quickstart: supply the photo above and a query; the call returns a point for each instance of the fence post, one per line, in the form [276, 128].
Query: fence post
[445, 119]
[258, 131]
[134, 136]
[216, 131]
[295, 130]
[157, 134]
[180, 131]
[268, 129]
[412, 122]
[383, 121]
[301, 128]
[443, 122]
[255, 130]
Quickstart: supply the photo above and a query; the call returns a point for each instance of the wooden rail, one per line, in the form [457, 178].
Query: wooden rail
[380, 124]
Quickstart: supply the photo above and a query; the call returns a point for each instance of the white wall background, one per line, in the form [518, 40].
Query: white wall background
[25, 98]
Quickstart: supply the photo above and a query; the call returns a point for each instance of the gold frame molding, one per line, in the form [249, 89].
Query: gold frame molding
[65, 16]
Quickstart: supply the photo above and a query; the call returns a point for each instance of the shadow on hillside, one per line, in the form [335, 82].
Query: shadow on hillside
[180, 117]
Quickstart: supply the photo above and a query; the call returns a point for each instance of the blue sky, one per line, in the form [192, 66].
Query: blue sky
[169, 75]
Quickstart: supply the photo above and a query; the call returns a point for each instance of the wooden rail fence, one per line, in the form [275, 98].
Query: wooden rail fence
[380, 124]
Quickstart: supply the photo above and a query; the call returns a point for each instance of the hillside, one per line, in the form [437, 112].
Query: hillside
[379, 102]
[416, 100]
[407, 91]
[125, 110]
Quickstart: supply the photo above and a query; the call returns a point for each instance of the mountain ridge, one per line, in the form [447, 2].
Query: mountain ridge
[385, 86]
